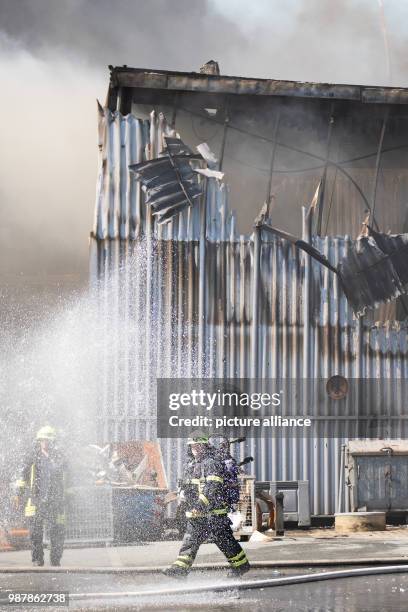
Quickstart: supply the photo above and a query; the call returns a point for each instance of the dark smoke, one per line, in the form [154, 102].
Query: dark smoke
[53, 61]
[179, 35]
[316, 40]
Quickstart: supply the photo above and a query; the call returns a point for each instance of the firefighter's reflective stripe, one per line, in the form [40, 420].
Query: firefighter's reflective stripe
[184, 561]
[30, 509]
[21, 483]
[199, 481]
[32, 476]
[181, 563]
[60, 520]
[195, 514]
[241, 562]
[239, 559]
[204, 499]
[217, 512]
[215, 478]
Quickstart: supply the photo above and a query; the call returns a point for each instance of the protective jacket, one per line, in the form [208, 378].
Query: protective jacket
[204, 487]
[44, 478]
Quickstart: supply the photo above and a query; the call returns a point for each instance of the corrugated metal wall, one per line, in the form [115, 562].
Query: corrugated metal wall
[195, 298]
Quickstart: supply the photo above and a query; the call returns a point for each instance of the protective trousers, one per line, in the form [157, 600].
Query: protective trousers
[199, 530]
[56, 530]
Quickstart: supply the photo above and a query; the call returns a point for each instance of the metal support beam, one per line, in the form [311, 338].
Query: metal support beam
[255, 303]
[324, 175]
[272, 164]
[174, 113]
[224, 137]
[201, 279]
[378, 162]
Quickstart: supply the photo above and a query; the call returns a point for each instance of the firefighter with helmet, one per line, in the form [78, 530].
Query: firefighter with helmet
[42, 477]
[206, 498]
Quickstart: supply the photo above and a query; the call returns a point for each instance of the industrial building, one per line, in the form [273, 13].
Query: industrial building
[209, 295]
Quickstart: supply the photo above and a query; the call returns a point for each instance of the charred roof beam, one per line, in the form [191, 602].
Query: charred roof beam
[167, 80]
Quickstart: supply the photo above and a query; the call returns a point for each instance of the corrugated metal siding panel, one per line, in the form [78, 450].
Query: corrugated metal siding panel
[120, 211]
[151, 290]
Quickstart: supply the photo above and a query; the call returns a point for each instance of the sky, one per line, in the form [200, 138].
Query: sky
[54, 57]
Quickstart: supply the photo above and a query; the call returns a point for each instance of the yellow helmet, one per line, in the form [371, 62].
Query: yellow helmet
[46, 433]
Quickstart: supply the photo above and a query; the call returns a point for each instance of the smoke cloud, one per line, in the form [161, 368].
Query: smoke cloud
[340, 41]
[53, 61]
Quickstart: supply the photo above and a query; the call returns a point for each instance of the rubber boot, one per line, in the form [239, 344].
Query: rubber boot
[238, 572]
[175, 571]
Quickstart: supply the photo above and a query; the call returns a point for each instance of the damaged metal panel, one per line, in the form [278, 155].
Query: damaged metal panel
[375, 270]
[120, 210]
[169, 181]
[191, 281]
[395, 248]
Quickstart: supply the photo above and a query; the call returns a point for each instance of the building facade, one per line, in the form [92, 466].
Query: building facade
[199, 297]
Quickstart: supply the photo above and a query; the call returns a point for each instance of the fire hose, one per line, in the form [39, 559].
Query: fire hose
[248, 585]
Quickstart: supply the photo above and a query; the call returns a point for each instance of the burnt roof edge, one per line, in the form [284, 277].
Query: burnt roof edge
[169, 80]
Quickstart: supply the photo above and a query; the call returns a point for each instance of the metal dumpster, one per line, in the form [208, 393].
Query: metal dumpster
[377, 475]
[138, 513]
[120, 512]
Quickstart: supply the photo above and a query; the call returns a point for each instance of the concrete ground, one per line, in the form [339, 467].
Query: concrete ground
[314, 545]
[146, 592]
[123, 578]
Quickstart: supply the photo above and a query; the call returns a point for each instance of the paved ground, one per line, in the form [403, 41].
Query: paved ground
[368, 594]
[316, 544]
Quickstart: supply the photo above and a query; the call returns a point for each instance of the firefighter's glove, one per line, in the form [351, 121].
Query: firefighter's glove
[195, 513]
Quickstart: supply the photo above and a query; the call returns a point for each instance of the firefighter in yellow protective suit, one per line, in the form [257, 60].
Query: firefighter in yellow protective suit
[42, 477]
[206, 496]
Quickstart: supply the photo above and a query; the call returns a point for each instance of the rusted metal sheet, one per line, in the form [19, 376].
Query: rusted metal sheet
[185, 297]
[204, 83]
